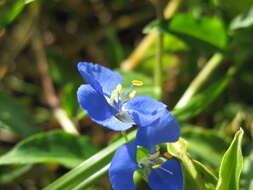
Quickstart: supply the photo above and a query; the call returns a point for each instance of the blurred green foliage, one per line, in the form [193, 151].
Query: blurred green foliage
[107, 32]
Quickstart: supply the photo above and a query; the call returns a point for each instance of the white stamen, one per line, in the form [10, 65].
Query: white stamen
[118, 87]
[166, 170]
[132, 94]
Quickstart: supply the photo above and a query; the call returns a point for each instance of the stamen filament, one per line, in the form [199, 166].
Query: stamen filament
[166, 170]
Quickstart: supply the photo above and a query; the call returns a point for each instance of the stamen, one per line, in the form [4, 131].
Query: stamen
[137, 83]
[132, 94]
[166, 170]
[119, 88]
[156, 166]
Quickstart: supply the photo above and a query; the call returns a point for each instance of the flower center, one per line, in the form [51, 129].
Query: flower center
[153, 161]
[119, 97]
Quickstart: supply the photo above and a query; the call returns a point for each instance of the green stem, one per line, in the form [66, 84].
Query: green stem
[202, 77]
[90, 180]
[189, 166]
[159, 49]
[124, 134]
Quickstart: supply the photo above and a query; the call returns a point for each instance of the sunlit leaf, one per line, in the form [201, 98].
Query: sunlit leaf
[10, 9]
[231, 165]
[51, 147]
[203, 31]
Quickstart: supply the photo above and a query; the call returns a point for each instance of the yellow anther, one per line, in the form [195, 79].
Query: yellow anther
[118, 88]
[156, 166]
[132, 94]
[137, 82]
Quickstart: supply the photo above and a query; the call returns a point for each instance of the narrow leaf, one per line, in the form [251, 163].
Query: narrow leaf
[231, 165]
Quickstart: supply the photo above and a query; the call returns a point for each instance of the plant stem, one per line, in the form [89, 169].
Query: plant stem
[201, 78]
[123, 133]
[159, 49]
[90, 180]
[135, 57]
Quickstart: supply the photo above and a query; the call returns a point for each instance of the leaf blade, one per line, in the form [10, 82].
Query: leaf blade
[56, 146]
[231, 165]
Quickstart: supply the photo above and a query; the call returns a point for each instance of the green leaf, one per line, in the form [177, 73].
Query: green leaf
[207, 32]
[243, 20]
[14, 118]
[147, 89]
[141, 153]
[57, 147]
[203, 142]
[10, 10]
[231, 165]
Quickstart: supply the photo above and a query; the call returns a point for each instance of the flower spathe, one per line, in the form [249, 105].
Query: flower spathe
[165, 176]
[108, 105]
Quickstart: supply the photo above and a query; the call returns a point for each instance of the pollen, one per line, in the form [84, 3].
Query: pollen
[137, 82]
[156, 166]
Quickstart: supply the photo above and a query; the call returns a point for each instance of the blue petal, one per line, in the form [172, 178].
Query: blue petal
[98, 109]
[103, 80]
[144, 110]
[123, 166]
[167, 177]
[115, 124]
[165, 129]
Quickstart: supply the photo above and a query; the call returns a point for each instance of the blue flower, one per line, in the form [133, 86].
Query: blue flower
[105, 101]
[161, 173]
